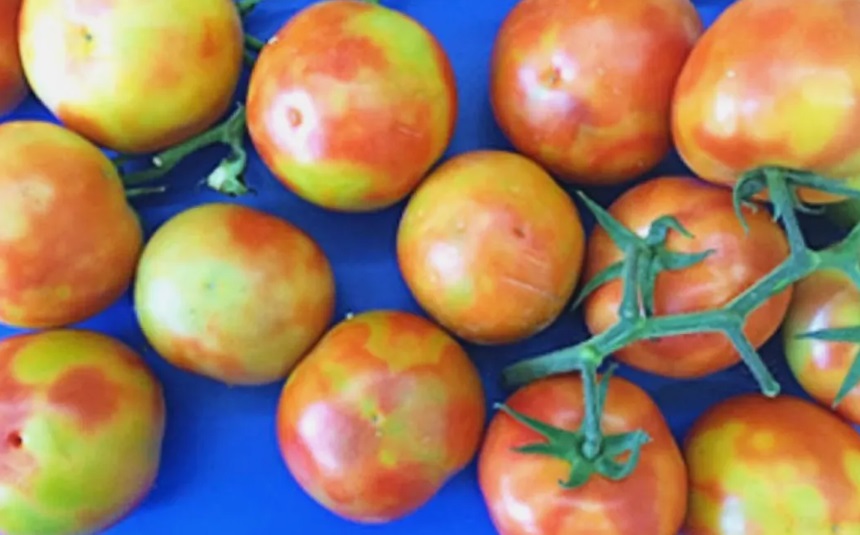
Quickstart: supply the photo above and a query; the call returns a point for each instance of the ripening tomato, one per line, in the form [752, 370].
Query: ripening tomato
[773, 83]
[232, 293]
[779, 466]
[81, 427]
[584, 87]
[69, 241]
[13, 86]
[739, 259]
[351, 103]
[133, 76]
[523, 491]
[384, 410]
[824, 300]
[491, 247]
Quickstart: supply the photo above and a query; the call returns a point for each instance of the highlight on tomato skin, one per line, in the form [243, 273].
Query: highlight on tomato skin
[13, 85]
[739, 259]
[385, 409]
[495, 261]
[772, 466]
[81, 428]
[64, 219]
[233, 293]
[824, 300]
[773, 83]
[350, 104]
[584, 87]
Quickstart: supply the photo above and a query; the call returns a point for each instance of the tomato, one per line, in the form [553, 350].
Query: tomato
[773, 83]
[739, 259]
[232, 293]
[824, 300]
[523, 491]
[351, 103]
[493, 260]
[133, 76]
[69, 241]
[584, 87]
[13, 86]
[383, 411]
[772, 467]
[81, 427]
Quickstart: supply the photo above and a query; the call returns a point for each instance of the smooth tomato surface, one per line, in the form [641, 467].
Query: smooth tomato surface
[13, 86]
[824, 300]
[81, 428]
[585, 86]
[351, 104]
[491, 246]
[523, 491]
[69, 241]
[129, 75]
[383, 411]
[233, 293]
[773, 83]
[772, 467]
[738, 261]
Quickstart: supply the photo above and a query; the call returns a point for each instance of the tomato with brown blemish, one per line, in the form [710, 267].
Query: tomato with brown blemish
[13, 86]
[737, 261]
[523, 491]
[69, 241]
[81, 427]
[380, 415]
[772, 467]
[584, 87]
[233, 293]
[773, 83]
[491, 246]
[133, 76]
[351, 103]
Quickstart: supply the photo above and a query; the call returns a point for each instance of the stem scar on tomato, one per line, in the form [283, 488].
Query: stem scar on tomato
[644, 258]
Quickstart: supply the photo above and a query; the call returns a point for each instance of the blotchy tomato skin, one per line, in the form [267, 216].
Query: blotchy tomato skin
[13, 86]
[773, 83]
[351, 104]
[384, 410]
[738, 261]
[584, 86]
[133, 76]
[233, 293]
[772, 467]
[523, 492]
[81, 427]
[69, 241]
[824, 300]
[491, 246]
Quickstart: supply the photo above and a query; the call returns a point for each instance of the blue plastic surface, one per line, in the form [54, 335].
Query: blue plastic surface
[221, 471]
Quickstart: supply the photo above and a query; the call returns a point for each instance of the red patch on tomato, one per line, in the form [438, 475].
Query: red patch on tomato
[254, 231]
[210, 44]
[88, 395]
[15, 401]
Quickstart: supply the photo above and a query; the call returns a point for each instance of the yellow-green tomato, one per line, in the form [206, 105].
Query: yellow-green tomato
[131, 75]
[81, 427]
[233, 293]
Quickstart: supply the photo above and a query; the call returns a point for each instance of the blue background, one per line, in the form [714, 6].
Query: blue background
[221, 471]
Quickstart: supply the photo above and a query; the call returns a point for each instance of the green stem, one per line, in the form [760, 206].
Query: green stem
[592, 434]
[247, 6]
[253, 43]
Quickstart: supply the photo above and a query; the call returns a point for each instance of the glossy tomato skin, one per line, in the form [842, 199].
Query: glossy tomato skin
[738, 261]
[584, 86]
[13, 86]
[81, 427]
[491, 246]
[350, 104]
[772, 467]
[133, 76]
[824, 300]
[69, 241]
[773, 83]
[523, 493]
[232, 293]
[383, 411]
